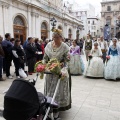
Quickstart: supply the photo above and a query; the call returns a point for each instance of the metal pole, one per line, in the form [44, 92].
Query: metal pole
[53, 99]
[114, 25]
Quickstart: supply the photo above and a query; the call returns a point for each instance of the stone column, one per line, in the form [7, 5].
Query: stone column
[10, 21]
[37, 26]
[5, 18]
[1, 20]
[29, 27]
[33, 24]
[74, 32]
[65, 30]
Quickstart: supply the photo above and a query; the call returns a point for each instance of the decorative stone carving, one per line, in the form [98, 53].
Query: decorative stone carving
[4, 4]
[34, 14]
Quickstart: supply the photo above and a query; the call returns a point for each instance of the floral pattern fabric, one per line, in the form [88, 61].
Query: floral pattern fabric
[112, 67]
[63, 97]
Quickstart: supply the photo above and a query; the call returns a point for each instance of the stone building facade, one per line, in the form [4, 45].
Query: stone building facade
[110, 14]
[23, 18]
[83, 13]
[93, 26]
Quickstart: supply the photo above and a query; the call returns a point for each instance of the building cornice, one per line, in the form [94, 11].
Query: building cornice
[4, 4]
[107, 2]
[50, 11]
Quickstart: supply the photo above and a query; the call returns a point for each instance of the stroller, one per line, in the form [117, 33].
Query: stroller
[23, 102]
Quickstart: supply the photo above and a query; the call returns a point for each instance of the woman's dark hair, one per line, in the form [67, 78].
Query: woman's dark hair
[16, 41]
[66, 40]
[75, 41]
[12, 39]
[36, 40]
[29, 38]
[7, 35]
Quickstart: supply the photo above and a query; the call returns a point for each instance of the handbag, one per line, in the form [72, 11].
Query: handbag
[64, 72]
[22, 73]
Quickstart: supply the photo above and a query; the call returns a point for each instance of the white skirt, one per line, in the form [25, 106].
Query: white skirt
[112, 68]
[94, 68]
[75, 65]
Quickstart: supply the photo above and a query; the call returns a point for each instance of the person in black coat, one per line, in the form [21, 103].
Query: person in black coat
[18, 56]
[7, 47]
[39, 55]
[31, 51]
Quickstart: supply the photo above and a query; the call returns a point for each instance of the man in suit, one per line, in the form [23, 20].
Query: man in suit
[31, 51]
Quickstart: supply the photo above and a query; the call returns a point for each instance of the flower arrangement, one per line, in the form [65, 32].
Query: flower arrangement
[108, 57]
[54, 67]
[40, 68]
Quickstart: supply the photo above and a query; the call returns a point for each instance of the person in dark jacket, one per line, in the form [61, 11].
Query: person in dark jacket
[31, 51]
[1, 59]
[18, 56]
[7, 47]
[39, 55]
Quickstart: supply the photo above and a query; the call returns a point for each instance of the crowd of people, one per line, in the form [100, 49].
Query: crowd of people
[33, 49]
[27, 54]
[103, 60]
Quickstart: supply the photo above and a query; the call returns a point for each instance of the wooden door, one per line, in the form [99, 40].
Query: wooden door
[20, 33]
[44, 34]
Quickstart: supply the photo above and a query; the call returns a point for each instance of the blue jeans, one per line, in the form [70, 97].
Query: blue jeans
[1, 66]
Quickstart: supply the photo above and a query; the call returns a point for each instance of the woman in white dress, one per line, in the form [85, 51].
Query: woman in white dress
[112, 68]
[95, 66]
[76, 65]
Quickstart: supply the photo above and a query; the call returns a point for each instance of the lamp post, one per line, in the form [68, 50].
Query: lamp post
[53, 23]
[117, 24]
[78, 30]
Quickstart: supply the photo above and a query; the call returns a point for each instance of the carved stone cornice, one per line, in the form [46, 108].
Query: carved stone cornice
[34, 14]
[65, 23]
[4, 4]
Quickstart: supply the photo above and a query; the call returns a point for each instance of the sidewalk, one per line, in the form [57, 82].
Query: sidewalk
[92, 99]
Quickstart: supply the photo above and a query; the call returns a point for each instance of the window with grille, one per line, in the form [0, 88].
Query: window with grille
[108, 21]
[108, 8]
[44, 26]
[18, 21]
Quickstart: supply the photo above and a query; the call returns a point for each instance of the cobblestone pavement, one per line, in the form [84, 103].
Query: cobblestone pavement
[92, 99]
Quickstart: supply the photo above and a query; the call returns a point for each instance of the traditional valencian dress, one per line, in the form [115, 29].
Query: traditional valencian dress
[76, 64]
[112, 68]
[63, 97]
[95, 66]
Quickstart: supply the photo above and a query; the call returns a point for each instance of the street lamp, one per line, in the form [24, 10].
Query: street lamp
[118, 23]
[118, 26]
[53, 23]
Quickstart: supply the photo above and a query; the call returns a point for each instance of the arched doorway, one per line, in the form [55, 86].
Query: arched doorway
[77, 34]
[59, 27]
[44, 31]
[19, 29]
[69, 33]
